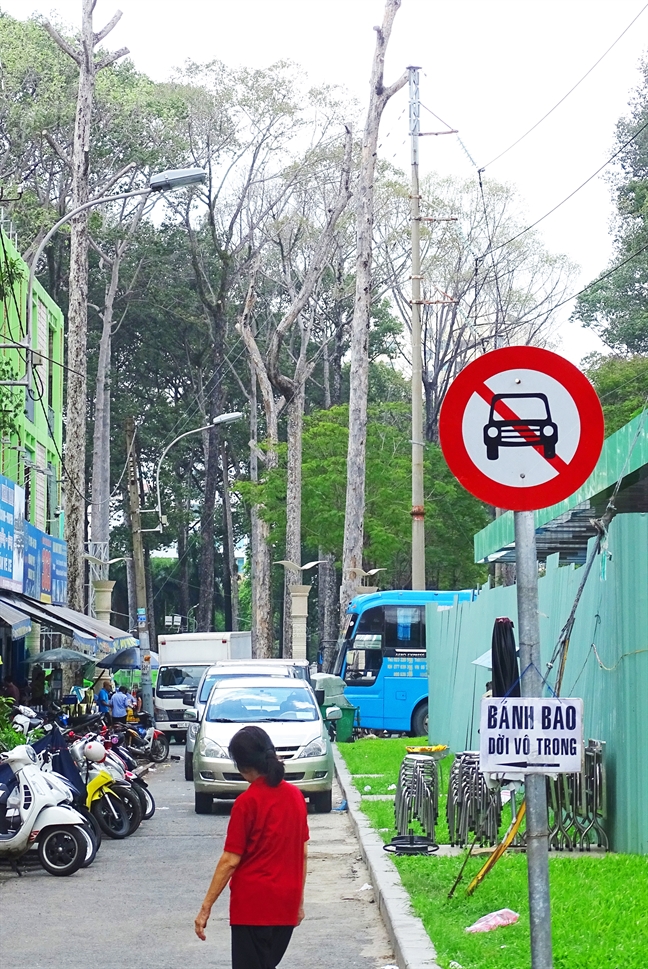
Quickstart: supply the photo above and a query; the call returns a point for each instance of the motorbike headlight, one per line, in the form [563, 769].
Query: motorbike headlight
[31, 753]
[210, 749]
[316, 748]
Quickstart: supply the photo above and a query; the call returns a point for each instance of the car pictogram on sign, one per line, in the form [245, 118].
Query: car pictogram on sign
[520, 420]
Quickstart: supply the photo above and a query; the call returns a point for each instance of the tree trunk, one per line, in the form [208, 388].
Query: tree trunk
[183, 559]
[359, 364]
[229, 551]
[293, 509]
[150, 599]
[327, 599]
[262, 585]
[76, 401]
[205, 612]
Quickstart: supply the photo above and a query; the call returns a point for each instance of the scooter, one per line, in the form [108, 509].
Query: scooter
[144, 740]
[44, 816]
[110, 797]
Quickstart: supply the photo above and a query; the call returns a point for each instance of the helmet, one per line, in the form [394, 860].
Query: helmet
[94, 751]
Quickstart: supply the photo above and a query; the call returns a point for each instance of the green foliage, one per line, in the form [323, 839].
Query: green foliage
[622, 385]
[9, 738]
[616, 307]
[452, 514]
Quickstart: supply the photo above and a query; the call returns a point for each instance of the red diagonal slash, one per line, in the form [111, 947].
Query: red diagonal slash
[507, 414]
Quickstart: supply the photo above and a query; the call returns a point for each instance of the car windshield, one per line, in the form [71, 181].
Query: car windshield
[179, 677]
[260, 704]
[529, 408]
[214, 678]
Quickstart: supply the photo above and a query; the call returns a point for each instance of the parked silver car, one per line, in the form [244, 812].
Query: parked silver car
[226, 669]
[291, 717]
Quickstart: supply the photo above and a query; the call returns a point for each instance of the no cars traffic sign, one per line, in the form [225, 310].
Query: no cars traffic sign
[521, 428]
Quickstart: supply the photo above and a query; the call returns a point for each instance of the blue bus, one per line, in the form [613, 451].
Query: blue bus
[381, 657]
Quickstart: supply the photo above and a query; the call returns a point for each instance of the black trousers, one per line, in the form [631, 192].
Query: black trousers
[259, 946]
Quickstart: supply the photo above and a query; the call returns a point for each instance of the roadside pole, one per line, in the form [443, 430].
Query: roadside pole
[535, 788]
[418, 500]
[140, 573]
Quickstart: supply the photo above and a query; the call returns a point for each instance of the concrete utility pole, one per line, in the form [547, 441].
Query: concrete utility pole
[140, 573]
[534, 784]
[418, 507]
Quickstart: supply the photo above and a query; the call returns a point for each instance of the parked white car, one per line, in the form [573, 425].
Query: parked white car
[287, 711]
[227, 669]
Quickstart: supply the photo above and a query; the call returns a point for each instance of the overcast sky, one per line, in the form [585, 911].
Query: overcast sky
[492, 68]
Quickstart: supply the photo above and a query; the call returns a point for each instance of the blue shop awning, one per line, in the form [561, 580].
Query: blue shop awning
[85, 629]
[19, 622]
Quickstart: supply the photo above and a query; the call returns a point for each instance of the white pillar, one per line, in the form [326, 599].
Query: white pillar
[299, 597]
[103, 598]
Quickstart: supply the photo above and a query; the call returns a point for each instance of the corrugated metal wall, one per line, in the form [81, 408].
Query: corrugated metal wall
[612, 615]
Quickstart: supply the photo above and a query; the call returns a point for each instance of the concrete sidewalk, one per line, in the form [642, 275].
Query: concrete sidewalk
[134, 907]
[411, 942]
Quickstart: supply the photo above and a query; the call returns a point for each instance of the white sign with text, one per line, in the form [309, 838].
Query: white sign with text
[531, 735]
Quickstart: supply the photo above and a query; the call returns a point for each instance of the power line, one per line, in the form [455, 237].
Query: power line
[571, 90]
[571, 194]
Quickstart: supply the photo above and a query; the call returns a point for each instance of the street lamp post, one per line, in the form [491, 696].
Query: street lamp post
[221, 419]
[161, 182]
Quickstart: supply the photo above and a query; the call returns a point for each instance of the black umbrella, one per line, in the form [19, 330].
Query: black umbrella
[506, 673]
[60, 655]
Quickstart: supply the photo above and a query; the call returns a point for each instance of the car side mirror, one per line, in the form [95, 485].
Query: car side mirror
[191, 715]
[333, 713]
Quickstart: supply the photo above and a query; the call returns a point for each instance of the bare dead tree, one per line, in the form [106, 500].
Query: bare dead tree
[359, 370]
[89, 65]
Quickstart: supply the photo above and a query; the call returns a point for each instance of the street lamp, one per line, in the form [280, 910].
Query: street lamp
[221, 419]
[161, 182]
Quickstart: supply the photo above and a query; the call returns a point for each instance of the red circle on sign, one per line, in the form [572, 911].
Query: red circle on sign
[570, 475]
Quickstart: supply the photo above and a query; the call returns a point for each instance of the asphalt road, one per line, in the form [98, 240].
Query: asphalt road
[134, 907]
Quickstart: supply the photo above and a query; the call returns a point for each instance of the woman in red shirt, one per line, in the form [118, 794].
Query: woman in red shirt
[264, 857]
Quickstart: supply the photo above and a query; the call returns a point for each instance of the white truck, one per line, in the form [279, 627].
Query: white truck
[183, 660]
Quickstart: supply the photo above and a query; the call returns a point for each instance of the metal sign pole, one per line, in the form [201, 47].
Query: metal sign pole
[534, 784]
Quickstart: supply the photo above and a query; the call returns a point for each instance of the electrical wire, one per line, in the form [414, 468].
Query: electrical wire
[571, 194]
[571, 90]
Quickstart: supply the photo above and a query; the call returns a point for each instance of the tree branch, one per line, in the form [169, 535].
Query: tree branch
[97, 38]
[61, 41]
[109, 59]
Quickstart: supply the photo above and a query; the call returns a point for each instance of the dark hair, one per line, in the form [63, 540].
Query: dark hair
[252, 748]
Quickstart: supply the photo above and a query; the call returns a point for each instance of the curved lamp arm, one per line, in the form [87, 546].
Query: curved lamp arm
[222, 419]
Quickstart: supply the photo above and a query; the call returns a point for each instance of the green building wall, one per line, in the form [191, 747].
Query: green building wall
[30, 457]
[607, 666]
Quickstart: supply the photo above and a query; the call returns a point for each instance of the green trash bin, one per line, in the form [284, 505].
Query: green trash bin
[344, 727]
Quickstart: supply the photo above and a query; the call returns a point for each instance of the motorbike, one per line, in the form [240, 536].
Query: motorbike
[143, 740]
[111, 798]
[43, 816]
[119, 756]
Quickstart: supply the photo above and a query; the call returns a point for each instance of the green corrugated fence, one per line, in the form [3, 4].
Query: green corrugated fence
[607, 666]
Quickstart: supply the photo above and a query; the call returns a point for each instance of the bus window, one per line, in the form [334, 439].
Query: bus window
[404, 628]
[364, 659]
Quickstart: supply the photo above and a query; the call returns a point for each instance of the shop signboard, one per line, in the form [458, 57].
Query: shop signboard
[12, 518]
[45, 572]
[530, 735]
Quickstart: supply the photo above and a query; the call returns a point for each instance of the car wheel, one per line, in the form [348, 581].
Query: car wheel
[322, 801]
[492, 453]
[550, 451]
[420, 720]
[188, 765]
[203, 803]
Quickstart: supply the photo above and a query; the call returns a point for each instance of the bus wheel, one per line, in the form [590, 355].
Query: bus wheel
[420, 720]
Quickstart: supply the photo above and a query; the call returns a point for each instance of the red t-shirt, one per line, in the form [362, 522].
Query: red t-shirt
[268, 827]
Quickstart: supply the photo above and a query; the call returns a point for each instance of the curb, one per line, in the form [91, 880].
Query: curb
[412, 946]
